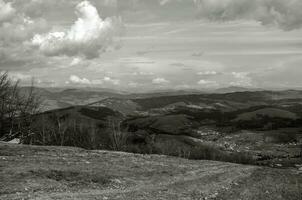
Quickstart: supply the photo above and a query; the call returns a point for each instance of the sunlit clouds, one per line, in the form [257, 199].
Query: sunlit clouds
[89, 36]
[148, 45]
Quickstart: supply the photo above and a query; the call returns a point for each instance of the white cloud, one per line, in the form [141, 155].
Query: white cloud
[16, 26]
[133, 84]
[112, 3]
[164, 2]
[88, 36]
[6, 11]
[207, 83]
[112, 81]
[207, 73]
[74, 79]
[17, 76]
[285, 14]
[184, 86]
[240, 75]
[160, 81]
[142, 73]
[241, 79]
[75, 61]
[21, 29]
[77, 80]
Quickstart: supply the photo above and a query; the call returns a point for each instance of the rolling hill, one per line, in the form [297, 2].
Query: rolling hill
[267, 112]
[181, 125]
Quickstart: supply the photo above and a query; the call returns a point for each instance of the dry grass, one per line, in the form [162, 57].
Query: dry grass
[37, 172]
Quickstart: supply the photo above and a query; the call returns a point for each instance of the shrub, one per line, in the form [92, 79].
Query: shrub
[213, 153]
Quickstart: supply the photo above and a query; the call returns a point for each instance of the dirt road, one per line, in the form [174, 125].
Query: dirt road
[34, 172]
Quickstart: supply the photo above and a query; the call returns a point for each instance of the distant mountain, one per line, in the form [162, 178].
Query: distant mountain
[266, 112]
[55, 98]
[224, 98]
[159, 93]
[233, 89]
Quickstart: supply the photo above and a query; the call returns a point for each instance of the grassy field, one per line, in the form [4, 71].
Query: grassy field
[39, 172]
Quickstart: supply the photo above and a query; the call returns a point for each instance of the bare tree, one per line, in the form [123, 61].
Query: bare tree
[16, 107]
[117, 137]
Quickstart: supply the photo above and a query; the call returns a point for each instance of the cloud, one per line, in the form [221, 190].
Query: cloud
[160, 81]
[74, 79]
[17, 76]
[16, 26]
[89, 36]
[207, 73]
[6, 11]
[141, 73]
[133, 84]
[77, 80]
[112, 81]
[112, 3]
[164, 2]
[207, 83]
[284, 14]
[41, 8]
[287, 73]
[21, 29]
[241, 79]
[23, 78]
[75, 61]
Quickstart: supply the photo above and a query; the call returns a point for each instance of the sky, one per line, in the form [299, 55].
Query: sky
[145, 45]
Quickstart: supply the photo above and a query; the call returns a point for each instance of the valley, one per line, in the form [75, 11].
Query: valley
[252, 127]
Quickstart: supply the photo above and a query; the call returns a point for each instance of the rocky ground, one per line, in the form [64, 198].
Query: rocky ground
[38, 172]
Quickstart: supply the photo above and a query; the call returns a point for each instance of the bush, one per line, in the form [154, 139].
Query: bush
[283, 138]
[200, 152]
[212, 153]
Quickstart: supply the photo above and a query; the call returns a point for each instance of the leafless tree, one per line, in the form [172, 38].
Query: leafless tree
[16, 107]
[118, 138]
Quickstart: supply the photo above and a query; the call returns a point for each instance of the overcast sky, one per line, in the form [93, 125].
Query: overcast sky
[140, 45]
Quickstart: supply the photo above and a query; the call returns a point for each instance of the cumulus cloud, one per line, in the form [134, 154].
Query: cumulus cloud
[17, 76]
[16, 26]
[164, 2]
[75, 61]
[40, 8]
[241, 79]
[112, 81]
[133, 84]
[207, 83]
[140, 73]
[74, 79]
[21, 29]
[6, 11]
[160, 81]
[285, 14]
[112, 3]
[207, 73]
[77, 80]
[88, 36]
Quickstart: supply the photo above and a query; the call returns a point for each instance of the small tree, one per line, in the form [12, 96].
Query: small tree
[16, 108]
[117, 137]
